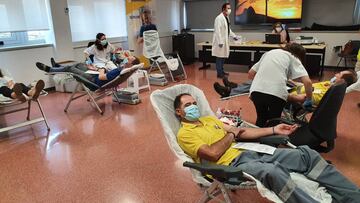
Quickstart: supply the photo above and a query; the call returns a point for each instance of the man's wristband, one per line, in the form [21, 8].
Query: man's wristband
[273, 130]
[232, 134]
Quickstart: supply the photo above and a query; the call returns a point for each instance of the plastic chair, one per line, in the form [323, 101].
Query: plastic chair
[133, 82]
[349, 52]
[153, 51]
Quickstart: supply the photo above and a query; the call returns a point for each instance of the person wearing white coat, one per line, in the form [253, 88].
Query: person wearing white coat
[220, 44]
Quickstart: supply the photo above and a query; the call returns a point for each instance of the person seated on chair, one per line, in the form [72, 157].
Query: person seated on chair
[296, 95]
[100, 79]
[101, 51]
[207, 139]
[320, 88]
[279, 28]
[10, 89]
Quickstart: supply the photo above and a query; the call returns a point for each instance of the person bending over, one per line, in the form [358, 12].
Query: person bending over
[10, 89]
[268, 90]
[207, 139]
[100, 79]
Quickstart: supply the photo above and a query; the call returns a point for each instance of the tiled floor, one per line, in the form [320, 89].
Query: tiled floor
[123, 156]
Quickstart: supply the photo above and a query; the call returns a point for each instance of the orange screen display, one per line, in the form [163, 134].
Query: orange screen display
[276, 9]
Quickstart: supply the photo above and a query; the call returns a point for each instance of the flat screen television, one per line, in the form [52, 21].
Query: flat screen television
[267, 11]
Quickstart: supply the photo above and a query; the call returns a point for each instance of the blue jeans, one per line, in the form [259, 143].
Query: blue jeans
[273, 171]
[110, 75]
[220, 66]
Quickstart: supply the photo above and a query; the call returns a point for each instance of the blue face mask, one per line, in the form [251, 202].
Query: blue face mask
[333, 80]
[124, 61]
[103, 42]
[192, 113]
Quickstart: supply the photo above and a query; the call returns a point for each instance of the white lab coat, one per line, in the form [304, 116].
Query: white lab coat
[221, 37]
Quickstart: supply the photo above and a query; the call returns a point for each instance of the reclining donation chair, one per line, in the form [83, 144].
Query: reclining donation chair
[153, 51]
[322, 124]
[224, 177]
[92, 90]
[8, 106]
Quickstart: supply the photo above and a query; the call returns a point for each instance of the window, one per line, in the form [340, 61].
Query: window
[89, 17]
[21, 25]
[356, 16]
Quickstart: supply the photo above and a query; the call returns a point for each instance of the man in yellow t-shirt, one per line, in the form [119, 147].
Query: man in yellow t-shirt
[320, 88]
[207, 139]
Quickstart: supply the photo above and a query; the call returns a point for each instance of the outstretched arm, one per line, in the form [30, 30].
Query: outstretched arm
[254, 133]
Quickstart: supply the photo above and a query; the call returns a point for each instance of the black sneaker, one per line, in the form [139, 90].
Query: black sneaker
[227, 83]
[38, 88]
[220, 76]
[53, 63]
[222, 91]
[226, 73]
[43, 67]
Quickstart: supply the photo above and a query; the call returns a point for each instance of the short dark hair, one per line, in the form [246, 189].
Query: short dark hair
[350, 77]
[177, 101]
[297, 50]
[224, 6]
[90, 44]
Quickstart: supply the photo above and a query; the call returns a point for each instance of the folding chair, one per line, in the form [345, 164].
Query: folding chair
[15, 103]
[224, 177]
[95, 92]
[154, 53]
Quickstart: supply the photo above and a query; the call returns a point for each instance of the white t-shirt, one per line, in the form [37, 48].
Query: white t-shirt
[273, 70]
[102, 58]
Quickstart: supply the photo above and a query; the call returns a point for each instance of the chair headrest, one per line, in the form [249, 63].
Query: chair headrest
[163, 104]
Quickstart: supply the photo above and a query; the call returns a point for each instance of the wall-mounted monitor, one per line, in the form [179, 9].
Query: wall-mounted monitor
[267, 11]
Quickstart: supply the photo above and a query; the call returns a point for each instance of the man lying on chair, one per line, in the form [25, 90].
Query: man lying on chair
[296, 95]
[208, 139]
[320, 88]
[10, 89]
[100, 79]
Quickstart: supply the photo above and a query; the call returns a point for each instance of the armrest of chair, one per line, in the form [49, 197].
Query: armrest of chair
[274, 140]
[275, 121]
[228, 174]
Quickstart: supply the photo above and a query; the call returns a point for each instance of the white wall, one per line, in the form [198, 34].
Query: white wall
[330, 38]
[21, 64]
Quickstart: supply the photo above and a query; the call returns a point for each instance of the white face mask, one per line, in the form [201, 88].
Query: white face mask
[333, 80]
[228, 11]
[278, 29]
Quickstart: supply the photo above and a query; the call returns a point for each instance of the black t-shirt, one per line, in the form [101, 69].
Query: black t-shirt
[228, 24]
[146, 28]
